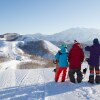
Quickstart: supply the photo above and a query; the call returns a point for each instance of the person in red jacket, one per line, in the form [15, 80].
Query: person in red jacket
[75, 58]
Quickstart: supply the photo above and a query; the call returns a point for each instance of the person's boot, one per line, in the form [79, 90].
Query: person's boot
[71, 76]
[63, 81]
[79, 81]
[79, 76]
[97, 79]
[91, 79]
[73, 81]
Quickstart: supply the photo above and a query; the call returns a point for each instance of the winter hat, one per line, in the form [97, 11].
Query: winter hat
[95, 41]
[63, 46]
[75, 41]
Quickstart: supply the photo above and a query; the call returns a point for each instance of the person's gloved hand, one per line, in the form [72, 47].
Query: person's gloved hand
[84, 70]
[87, 59]
[55, 70]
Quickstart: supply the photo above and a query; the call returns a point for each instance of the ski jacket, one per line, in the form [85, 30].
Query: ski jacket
[62, 58]
[76, 57]
[94, 54]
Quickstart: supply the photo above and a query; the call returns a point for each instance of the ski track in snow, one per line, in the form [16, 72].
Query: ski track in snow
[24, 85]
[38, 84]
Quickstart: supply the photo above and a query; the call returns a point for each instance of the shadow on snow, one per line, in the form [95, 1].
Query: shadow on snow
[39, 91]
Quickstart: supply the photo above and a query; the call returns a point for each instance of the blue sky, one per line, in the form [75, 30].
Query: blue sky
[48, 16]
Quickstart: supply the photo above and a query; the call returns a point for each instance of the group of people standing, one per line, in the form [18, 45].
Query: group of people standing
[73, 60]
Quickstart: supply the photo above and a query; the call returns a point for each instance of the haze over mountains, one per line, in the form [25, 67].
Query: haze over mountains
[79, 34]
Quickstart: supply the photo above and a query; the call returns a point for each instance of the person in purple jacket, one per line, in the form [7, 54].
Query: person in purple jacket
[94, 61]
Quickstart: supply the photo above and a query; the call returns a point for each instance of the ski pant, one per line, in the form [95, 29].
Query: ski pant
[58, 72]
[94, 71]
[72, 75]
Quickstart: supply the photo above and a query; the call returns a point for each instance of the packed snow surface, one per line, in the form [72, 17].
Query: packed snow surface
[38, 84]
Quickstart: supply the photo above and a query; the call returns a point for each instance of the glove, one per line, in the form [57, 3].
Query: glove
[84, 70]
[55, 61]
[55, 70]
[87, 59]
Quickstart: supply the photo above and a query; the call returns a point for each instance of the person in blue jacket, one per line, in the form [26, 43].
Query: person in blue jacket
[62, 58]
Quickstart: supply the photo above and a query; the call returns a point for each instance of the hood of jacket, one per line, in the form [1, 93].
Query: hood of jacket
[95, 41]
[63, 50]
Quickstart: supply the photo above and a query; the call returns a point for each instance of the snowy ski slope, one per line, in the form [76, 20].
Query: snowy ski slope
[38, 84]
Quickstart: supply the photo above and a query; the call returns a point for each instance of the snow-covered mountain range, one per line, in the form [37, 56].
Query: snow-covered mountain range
[46, 45]
[15, 49]
[79, 34]
[41, 48]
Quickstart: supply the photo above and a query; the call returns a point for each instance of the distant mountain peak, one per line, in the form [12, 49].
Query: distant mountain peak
[79, 34]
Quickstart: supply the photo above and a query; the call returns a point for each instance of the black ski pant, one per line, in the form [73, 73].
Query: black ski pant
[72, 75]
